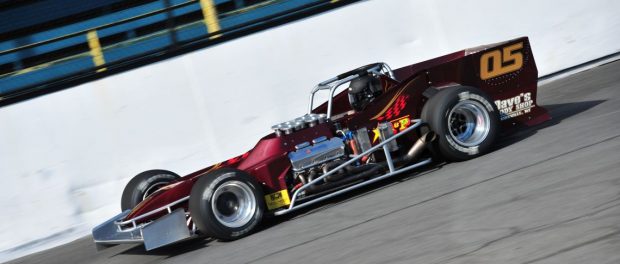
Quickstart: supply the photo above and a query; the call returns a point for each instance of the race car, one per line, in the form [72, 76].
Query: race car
[384, 123]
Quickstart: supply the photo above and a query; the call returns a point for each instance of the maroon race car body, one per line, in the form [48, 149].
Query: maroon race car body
[506, 72]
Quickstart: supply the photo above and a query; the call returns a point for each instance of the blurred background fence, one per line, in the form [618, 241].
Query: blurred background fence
[49, 45]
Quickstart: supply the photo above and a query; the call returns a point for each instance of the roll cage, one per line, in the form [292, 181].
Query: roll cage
[332, 84]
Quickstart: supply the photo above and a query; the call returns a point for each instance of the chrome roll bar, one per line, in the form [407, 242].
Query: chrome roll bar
[332, 84]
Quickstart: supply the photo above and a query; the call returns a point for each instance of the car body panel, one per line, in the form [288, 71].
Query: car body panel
[506, 71]
[268, 162]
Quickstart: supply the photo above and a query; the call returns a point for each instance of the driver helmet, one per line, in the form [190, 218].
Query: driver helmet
[362, 90]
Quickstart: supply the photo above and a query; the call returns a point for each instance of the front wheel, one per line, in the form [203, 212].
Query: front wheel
[465, 121]
[226, 204]
[143, 185]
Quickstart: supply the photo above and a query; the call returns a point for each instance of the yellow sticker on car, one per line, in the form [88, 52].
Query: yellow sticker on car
[277, 199]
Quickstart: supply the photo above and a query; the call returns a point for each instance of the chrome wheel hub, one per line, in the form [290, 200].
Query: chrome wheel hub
[469, 123]
[233, 204]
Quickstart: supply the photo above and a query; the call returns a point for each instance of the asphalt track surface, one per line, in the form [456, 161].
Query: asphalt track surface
[548, 194]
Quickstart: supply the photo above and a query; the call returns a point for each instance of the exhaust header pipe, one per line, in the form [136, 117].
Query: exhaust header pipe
[417, 148]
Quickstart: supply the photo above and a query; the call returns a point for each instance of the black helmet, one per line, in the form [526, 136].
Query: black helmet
[363, 90]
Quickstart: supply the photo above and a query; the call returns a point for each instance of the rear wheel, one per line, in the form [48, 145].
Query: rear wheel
[465, 121]
[143, 185]
[226, 204]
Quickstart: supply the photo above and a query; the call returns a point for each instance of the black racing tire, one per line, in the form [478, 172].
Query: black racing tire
[143, 185]
[465, 120]
[226, 204]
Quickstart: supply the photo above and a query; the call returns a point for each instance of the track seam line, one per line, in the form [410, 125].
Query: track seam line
[579, 245]
[436, 197]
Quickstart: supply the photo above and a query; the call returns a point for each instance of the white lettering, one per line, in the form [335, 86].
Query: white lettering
[515, 106]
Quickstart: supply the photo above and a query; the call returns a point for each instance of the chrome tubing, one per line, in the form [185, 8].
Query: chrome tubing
[353, 187]
[133, 221]
[333, 83]
[168, 229]
[390, 163]
[333, 90]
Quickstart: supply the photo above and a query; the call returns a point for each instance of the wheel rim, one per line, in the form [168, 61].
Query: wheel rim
[233, 204]
[469, 123]
[152, 189]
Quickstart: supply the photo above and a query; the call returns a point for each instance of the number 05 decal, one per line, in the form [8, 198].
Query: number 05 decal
[501, 61]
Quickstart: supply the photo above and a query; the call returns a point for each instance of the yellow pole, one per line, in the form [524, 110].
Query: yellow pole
[95, 49]
[210, 17]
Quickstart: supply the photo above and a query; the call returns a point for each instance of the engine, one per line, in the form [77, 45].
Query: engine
[322, 155]
[307, 156]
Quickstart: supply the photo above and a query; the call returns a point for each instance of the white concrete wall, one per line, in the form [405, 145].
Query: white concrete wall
[65, 157]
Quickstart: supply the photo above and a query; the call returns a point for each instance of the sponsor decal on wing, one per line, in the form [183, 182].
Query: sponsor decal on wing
[515, 106]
